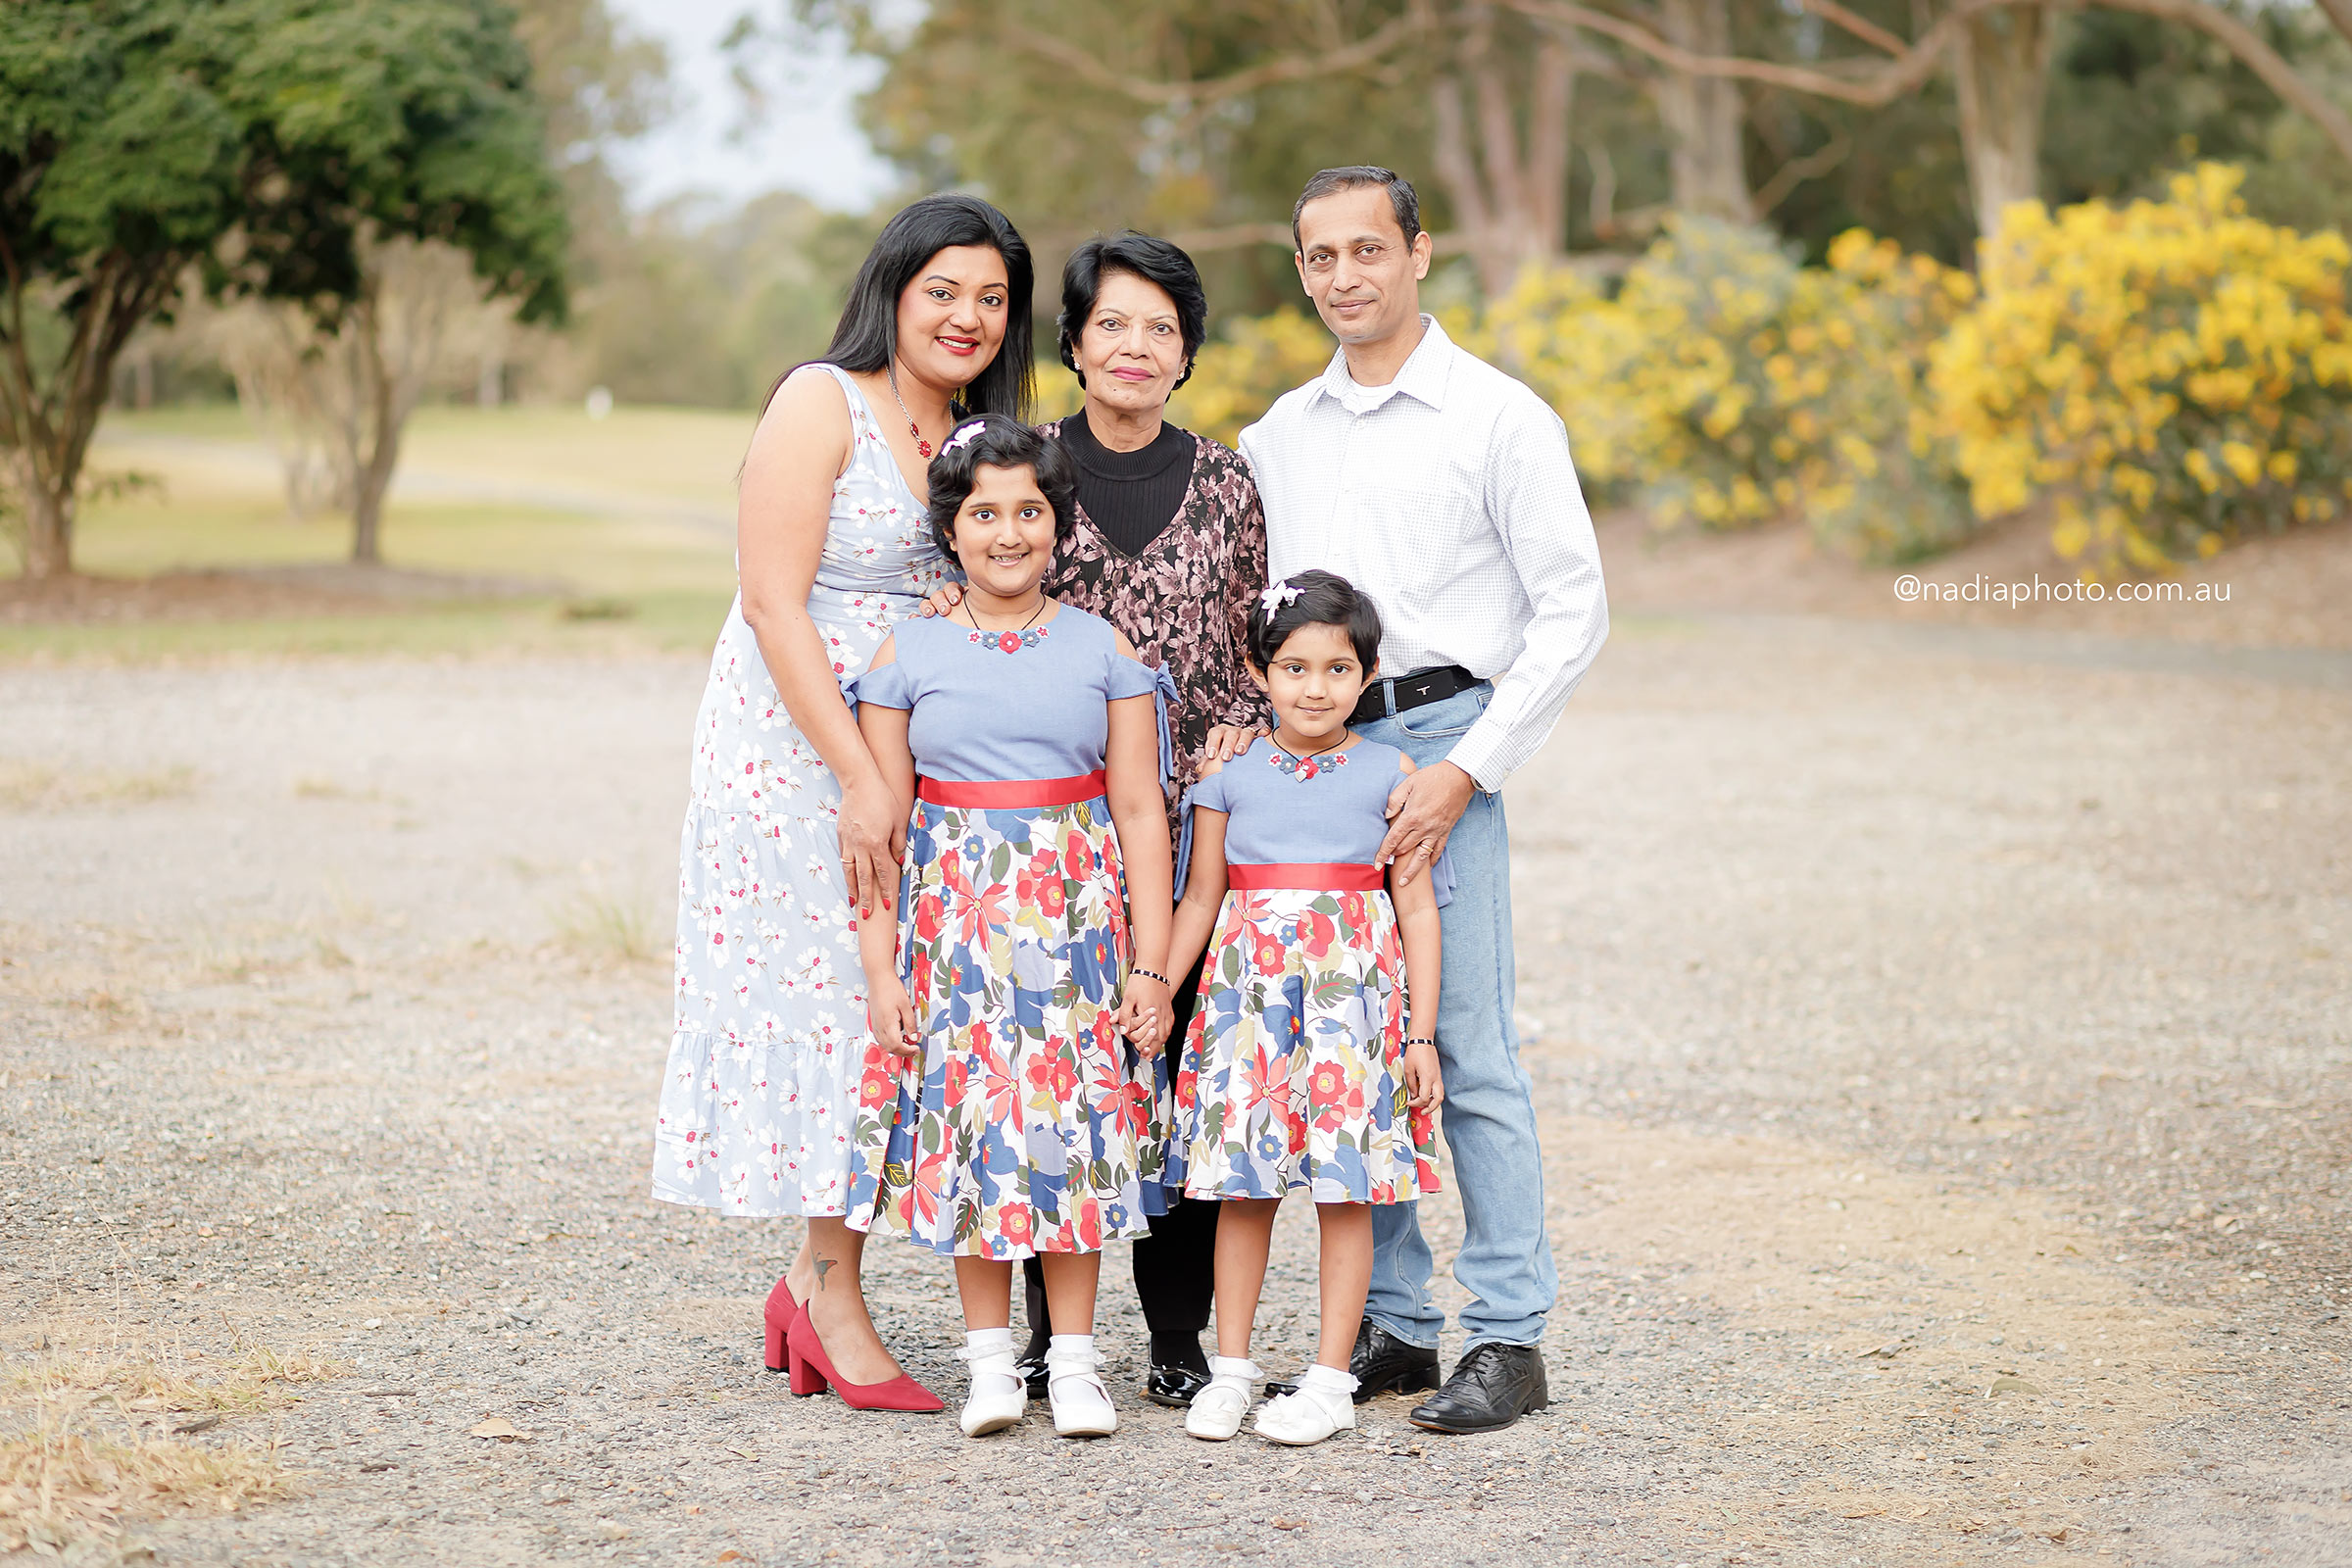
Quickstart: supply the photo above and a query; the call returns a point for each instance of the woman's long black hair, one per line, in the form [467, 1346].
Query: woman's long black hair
[867, 335]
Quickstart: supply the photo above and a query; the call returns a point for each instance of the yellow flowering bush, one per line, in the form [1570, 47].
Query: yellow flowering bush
[1725, 385]
[2168, 374]
[2165, 376]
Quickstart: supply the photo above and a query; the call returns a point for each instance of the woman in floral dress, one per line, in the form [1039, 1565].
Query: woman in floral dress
[1170, 547]
[789, 815]
[1005, 1112]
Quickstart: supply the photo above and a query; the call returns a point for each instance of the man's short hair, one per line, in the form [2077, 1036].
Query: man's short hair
[1331, 181]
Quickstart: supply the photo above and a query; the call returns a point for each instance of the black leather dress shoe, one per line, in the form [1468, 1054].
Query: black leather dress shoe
[1032, 1369]
[1382, 1361]
[1173, 1386]
[1491, 1387]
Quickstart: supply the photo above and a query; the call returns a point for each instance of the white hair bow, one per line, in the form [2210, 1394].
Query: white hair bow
[1273, 599]
[964, 437]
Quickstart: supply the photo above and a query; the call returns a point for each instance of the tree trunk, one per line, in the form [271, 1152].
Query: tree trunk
[47, 419]
[1704, 115]
[1511, 201]
[48, 524]
[382, 412]
[2000, 65]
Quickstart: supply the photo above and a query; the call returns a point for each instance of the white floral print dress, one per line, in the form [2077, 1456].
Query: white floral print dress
[759, 1097]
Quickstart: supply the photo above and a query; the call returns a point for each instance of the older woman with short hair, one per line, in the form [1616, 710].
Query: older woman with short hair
[1170, 548]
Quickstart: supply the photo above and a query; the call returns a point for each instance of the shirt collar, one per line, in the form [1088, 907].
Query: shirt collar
[1422, 377]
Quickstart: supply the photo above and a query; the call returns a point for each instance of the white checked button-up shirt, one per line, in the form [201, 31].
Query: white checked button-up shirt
[1448, 496]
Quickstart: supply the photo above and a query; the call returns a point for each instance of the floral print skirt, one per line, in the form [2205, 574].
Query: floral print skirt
[1293, 1074]
[1029, 1124]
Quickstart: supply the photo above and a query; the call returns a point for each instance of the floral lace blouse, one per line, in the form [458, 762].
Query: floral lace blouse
[1184, 602]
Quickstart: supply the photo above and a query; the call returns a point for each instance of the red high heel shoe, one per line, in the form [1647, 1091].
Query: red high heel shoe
[782, 1309]
[813, 1372]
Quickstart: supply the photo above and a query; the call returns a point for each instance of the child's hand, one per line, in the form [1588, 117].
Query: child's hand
[1424, 1085]
[890, 1013]
[1144, 1013]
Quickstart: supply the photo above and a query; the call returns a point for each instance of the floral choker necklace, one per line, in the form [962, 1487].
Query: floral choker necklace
[1029, 635]
[1313, 762]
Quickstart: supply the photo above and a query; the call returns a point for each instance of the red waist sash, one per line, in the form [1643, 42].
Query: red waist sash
[1011, 792]
[1335, 877]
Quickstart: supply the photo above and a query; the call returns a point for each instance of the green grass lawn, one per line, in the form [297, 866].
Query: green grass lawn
[628, 515]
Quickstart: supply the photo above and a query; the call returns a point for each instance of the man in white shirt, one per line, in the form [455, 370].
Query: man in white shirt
[1442, 489]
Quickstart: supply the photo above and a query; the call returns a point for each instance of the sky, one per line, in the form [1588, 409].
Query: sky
[809, 142]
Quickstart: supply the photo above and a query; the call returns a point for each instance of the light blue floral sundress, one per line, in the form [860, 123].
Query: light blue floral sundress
[759, 1097]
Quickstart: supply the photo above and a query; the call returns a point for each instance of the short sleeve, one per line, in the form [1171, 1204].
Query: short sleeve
[1132, 677]
[1208, 792]
[889, 686]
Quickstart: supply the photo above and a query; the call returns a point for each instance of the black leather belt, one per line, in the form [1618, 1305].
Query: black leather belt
[1417, 690]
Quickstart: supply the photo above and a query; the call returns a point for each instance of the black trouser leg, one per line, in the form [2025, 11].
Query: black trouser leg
[1041, 1322]
[1176, 1266]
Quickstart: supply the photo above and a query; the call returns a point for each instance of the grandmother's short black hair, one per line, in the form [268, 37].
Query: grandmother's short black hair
[1000, 442]
[1147, 257]
[1324, 598]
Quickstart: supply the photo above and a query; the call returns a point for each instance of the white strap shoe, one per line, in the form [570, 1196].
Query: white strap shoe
[1306, 1418]
[1216, 1412]
[998, 1396]
[1081, 1404]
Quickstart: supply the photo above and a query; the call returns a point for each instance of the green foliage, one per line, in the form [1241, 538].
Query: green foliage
[268, 142]
[708, 309]
[970, 99]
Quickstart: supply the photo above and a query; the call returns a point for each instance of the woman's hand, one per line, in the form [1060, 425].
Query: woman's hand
[874, 835]
[1228, 741]
[890, 1013]
[942, 601]
[1144, 1013]
[1424, 1084]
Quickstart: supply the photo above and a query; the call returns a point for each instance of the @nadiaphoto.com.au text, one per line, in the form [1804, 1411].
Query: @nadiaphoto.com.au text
[1981, 589]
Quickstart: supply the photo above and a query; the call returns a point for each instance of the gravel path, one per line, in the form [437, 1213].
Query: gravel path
[1940, 1050]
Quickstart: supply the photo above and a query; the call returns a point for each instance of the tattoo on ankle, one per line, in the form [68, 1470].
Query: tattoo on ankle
[823, 1265]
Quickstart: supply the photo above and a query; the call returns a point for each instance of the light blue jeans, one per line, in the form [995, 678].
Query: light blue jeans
[1488, 1116]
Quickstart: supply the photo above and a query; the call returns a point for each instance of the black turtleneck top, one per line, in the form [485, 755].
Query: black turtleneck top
[1130, 496]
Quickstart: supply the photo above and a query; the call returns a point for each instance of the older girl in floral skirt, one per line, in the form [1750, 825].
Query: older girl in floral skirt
[1006, 1109]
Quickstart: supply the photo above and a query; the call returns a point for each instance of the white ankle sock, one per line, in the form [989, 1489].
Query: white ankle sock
[989, 1353]
[1330, 1386]
[1238, 1370]
[1070, 1347]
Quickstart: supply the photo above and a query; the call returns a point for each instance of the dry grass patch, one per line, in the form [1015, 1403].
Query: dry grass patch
[184, 1380]
[92, 1439]
[604, 927]
[38, 787]
[60, 1484]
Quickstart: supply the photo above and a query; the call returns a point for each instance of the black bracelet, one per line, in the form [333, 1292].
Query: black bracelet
[1419, 1040]
[1148, 975]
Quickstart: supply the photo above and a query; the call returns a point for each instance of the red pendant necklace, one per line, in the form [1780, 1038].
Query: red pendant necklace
[921, 445]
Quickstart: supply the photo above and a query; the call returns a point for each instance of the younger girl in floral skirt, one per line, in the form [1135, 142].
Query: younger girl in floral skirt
[1303, 1069]
[1006, 1109]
